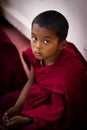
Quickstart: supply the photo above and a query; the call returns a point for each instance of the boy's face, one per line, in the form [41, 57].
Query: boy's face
[44, 43]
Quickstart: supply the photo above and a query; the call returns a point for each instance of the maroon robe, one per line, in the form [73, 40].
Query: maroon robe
[58, 98]
[12, 73]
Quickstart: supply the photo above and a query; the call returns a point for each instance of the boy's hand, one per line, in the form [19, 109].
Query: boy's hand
[17, 121]
[10, 113]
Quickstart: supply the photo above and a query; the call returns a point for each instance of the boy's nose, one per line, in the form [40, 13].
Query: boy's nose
[38, 45]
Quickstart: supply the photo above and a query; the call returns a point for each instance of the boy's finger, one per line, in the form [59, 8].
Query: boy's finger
[10, 123]
[5, 117]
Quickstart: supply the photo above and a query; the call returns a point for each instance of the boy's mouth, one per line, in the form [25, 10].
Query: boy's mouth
[37, 53]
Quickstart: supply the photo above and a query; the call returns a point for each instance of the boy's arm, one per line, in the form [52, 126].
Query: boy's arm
[19, 103]
[25, 90]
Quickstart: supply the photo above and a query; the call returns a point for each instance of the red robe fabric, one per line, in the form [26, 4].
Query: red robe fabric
[12, 73]
[58, 98]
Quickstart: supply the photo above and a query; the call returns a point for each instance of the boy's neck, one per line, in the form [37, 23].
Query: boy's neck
[51, 60]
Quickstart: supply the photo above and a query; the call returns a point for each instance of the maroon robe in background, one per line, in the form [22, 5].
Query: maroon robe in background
[58, 99]
[12, 74]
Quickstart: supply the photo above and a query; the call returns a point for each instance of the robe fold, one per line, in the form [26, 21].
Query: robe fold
[58, 98]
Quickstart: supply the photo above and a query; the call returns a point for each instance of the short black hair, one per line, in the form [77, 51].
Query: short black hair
[54, 20]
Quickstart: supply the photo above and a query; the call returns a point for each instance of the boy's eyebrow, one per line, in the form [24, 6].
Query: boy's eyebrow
[47, 37]
[44, 36]
[32, 33]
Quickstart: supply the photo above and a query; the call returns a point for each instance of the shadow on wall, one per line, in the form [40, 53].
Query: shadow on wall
[1, 11]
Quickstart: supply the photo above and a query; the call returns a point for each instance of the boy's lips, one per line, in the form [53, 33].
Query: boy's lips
[36, 53]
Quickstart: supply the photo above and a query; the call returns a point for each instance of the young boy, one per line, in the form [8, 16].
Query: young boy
[55, 96]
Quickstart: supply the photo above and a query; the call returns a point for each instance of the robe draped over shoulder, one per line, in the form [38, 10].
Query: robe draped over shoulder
[58, 98]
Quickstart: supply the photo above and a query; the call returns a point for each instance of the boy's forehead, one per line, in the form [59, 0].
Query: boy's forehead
[36, 29]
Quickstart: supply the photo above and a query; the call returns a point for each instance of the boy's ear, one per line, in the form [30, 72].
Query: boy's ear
[62, 45]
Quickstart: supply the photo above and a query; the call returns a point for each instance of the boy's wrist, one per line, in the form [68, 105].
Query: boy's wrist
[29, 120]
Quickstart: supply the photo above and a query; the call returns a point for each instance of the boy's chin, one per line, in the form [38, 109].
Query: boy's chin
[39, 58]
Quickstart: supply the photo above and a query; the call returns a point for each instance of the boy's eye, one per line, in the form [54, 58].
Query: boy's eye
[46, 42]
[34, 38]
